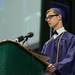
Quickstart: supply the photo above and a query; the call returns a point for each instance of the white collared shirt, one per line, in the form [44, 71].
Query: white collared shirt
[59, 31]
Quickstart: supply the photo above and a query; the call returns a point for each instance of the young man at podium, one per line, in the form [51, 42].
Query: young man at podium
[60, 47]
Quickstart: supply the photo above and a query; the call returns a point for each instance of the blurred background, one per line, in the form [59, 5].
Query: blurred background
[19, 17]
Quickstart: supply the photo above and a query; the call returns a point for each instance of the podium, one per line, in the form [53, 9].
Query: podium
[17, 60]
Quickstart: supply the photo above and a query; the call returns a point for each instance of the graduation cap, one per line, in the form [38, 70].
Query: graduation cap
[63, 9]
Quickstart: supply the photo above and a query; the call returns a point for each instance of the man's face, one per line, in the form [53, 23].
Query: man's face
[52, 19]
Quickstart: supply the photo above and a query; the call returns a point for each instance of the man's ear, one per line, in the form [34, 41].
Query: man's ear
[60, 17]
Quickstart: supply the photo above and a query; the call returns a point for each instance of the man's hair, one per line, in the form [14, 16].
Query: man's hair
[57, 11]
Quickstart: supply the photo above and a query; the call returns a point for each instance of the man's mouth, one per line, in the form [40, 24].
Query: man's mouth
[49, 23]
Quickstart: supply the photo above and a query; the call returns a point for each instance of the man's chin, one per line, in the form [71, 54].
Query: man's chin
[50, 25]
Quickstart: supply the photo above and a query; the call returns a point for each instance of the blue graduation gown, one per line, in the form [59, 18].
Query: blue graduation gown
[66, 56]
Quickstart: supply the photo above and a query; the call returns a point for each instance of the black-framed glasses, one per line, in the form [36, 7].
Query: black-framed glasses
[50, 16]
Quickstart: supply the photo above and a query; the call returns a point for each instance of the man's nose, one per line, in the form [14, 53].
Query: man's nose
[48, 20]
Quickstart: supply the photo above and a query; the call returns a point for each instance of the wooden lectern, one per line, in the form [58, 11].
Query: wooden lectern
[17, 60]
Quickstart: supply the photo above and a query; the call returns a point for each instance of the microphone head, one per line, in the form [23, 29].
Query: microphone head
[30, 34]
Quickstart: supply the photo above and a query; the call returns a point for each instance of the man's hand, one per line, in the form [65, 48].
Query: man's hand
[51, 68]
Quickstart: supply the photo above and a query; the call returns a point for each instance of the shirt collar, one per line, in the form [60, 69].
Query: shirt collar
[59, 31]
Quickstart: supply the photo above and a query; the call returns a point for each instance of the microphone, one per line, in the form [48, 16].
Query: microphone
[21, 38]
[29, 35]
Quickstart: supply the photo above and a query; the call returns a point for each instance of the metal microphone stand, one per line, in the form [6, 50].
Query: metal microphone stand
[24, 40]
